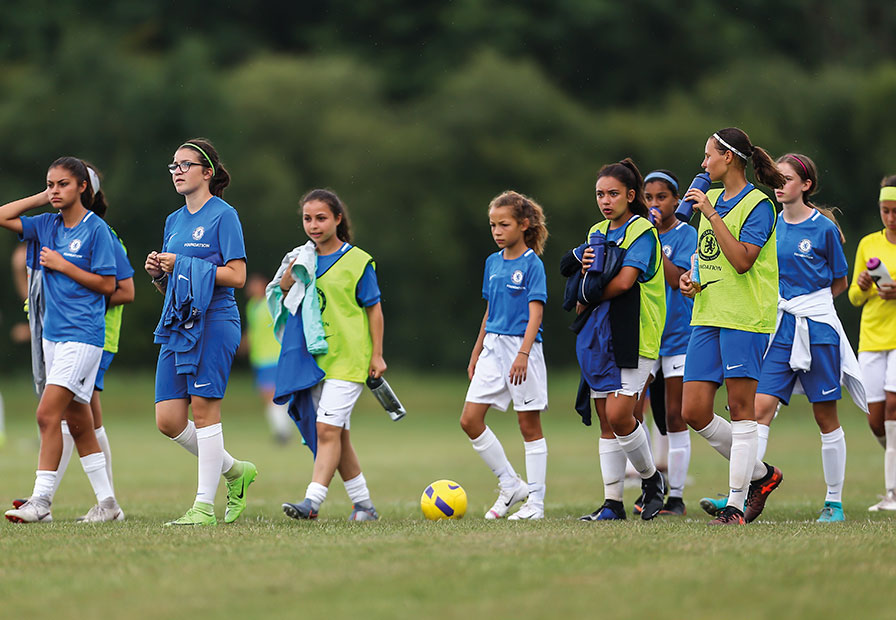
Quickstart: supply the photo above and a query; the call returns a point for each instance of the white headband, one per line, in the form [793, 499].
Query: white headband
[729, 147]
[94, 180]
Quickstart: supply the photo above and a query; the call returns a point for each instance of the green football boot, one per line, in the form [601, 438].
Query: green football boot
[199, 514]
[236, 491]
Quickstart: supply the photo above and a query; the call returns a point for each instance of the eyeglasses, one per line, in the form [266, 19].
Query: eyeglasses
[184, 166]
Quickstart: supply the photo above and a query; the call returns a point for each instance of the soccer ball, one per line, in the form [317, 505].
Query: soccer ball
[443, 499]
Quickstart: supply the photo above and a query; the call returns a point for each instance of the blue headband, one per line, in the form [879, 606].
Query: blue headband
[661, 175]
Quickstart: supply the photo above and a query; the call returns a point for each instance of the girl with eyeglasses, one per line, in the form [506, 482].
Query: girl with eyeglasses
[202, 260]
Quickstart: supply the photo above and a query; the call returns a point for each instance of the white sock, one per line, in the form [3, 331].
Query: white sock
[718, 434]
[278, 419]
[492, 452]
[743, 458]
[68, 445]
[317, 493]
[833, 462]
[103, 440]
[44, 481]
[357, 490]
[762, 443]
[210, 444]
[637, 449]
[94, 466]
[679, 459]
[187, 439]
[660, 449]
[612, 468]
[890, 455]
[646, 428]
[536, 468]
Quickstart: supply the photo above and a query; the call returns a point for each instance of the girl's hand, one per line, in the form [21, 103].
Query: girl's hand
[655, 214]
[687, 287]
[518, 369]
[166, 261]
[887, 291]
[51, 259]
[864, 280]
[152, 266]
[377, 366]
[286, 280]
[701, 202]
[471, 367]
[587, 258]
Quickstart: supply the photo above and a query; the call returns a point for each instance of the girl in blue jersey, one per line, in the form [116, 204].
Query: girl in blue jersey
[637, 308]
[809, 341]
[734, 313]
[678, 241]
[507, 363]
[202, 246]
[78, 264]
[352, 321]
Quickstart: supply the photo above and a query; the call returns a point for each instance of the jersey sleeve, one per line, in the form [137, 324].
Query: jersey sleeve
[537, 285]
[684, 245]
[641, 254]
[123, 267]
[485, 278]
[367, 292]
[230, 237]
[102, 255]
[759, 224]
[34, 227]
[834, 252]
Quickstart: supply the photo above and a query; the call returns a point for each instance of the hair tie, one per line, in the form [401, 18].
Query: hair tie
[729, 147]
[887, 193]
[806, 170]
[94, 180]
[207, 158]
[656, 174]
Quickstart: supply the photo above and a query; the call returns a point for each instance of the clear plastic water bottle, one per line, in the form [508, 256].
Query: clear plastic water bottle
[686, 209]
[386, 397]
[695, 270]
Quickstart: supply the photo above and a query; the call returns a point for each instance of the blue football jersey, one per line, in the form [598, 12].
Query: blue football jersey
[509, 286]
[678, 244]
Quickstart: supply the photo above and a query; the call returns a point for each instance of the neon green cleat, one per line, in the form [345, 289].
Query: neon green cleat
[199, 514]
[236, 492]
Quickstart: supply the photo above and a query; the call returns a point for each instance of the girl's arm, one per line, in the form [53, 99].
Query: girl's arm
[104, 285]
[672, 273]
[860, 289]
[11, 211]
[623, 281]
[375, 320]
[839, 285]
[286, 280]
[521, 363]
[477, 348]
[232, 273]
[740, 254]
[124, 293]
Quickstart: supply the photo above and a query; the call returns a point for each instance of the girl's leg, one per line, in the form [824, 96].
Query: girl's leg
[679, 438]
[102, 439]
[612, 468]
[833, 455]
[355, 483]
[744, 437]
[210, 447]
[876, 416]
[890, 433]
[636, 445]
[536, 449]
[766, 406]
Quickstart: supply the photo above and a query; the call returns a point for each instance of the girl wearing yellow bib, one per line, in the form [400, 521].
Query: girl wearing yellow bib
[353, 326]
[735, 301]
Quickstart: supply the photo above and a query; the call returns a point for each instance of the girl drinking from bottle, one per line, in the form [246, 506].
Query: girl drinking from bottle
[352, 320]
[734, 312]
[877, 336]
[507, 363]
[637, 305]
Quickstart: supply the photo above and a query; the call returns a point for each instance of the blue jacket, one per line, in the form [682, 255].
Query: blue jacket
[190, 288]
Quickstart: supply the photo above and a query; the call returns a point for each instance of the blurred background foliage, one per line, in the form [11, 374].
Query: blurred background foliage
[418, 113]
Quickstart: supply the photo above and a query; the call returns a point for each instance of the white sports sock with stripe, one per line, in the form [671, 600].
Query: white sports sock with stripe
[612, 468]
[833, 462]
[210, 445]
[492, 452]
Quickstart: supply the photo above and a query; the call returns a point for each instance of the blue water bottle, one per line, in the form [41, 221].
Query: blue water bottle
[686, 209]
[597, 241]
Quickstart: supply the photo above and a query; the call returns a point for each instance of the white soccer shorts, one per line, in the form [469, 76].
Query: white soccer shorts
[334, 400]
[878, 374]
[491, 379]
[72, 365]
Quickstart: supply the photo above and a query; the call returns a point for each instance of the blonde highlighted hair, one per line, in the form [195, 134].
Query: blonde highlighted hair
[524, 208]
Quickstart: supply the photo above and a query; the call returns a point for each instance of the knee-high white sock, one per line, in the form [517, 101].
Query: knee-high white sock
[743, 458]
[536, 468]
[357, 490]
[95, 467]
[103, 440]
[187, 439]
[890, 455]
[833, 462]
[317, 493]
[68, 445]
[718, 434]
[210, 443]
[612, 468]
[660, 449]
[762, 444]
[278, 419]
[679, 459]
[44, 482]
[637, 449]
[492, 452]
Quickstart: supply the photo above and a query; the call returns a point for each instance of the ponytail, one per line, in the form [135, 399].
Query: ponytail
[524, 208]
[98, 204]
[738, 142]
[627, 173]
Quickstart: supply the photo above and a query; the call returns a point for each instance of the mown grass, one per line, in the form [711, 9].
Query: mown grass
[267, 565]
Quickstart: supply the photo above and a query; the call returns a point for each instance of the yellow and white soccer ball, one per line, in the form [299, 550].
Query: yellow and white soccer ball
[444, 499]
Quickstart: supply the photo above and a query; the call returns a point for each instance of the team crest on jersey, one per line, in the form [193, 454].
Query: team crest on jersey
[805, 246]
[198, 232]
[517, 277]
[708, 246]
[75, 245]
[667, 250]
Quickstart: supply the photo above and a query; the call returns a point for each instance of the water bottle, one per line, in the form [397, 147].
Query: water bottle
[597, 241]
[878, 271]
[386, 397]
[686, 209]
[695, 270]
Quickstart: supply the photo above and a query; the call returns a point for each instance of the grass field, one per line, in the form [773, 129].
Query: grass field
[266, 565]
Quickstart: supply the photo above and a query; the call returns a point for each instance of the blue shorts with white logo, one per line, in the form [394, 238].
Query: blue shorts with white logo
[219, 343]
[821, 383]
[719, 353]
[105, 362]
